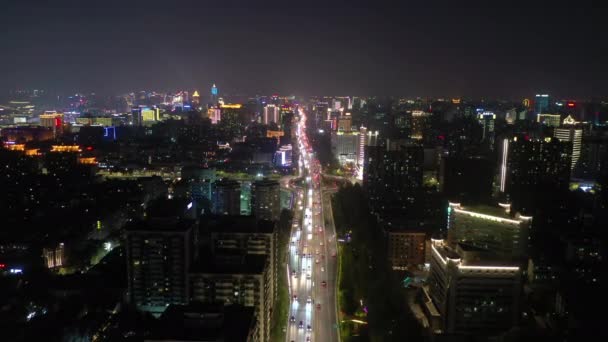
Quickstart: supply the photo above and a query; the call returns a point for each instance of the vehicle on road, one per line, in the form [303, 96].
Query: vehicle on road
[318, 306]
[292, 319]
[301, 325]
[295, 298]
[324, 283]
[309, 300]
[308, 328]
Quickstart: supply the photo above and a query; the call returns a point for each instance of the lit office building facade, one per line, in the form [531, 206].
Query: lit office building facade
[551, 120]
[345, 146]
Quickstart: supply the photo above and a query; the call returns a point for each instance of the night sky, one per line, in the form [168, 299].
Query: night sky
[334, 49]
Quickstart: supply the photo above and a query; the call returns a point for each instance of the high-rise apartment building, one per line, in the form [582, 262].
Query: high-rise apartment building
[575, 136]
[393, 177]
[271, 114]
[528, 165]
[226, 197]
[420, 122]
[406, 248]
[159, 253]
[486, 120]
[266, 200]
[214, 114]
[345, 123]
[54, 256]
[245, 235]
[196, 98]
[239, 279]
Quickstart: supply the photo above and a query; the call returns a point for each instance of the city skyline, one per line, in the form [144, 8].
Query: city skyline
[344, 171]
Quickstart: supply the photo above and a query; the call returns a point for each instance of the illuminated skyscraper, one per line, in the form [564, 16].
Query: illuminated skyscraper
[54, 256]
[196, 98]
[271, 114]
[486, 119]
[215, 114]
[150, 116]
[420, 124]
[51, 119]
[541, 103]
[159, 251]
[530, 166]
[471, 291]
[345, 146]
[493, 228]
[345, 123]
[361, 152]
[215, 93]
[574, 135]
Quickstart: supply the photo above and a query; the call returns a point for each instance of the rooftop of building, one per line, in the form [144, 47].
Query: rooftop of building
[161, 224]
[488, 210]
[204, 322]
[231, 262]
[227, 182]
[472, 256]
[266, 182]
[236, 224]
[166, 208]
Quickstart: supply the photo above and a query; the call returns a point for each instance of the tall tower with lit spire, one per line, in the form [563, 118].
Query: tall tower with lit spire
[196, 98]
[214, 95]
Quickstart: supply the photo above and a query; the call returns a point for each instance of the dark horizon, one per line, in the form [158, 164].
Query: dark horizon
[414, 50]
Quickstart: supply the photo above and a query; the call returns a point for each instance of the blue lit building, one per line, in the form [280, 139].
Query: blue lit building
[214, 94]
[541, 103]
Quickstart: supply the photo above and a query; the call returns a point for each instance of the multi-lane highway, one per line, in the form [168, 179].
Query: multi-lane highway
[312, 255]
